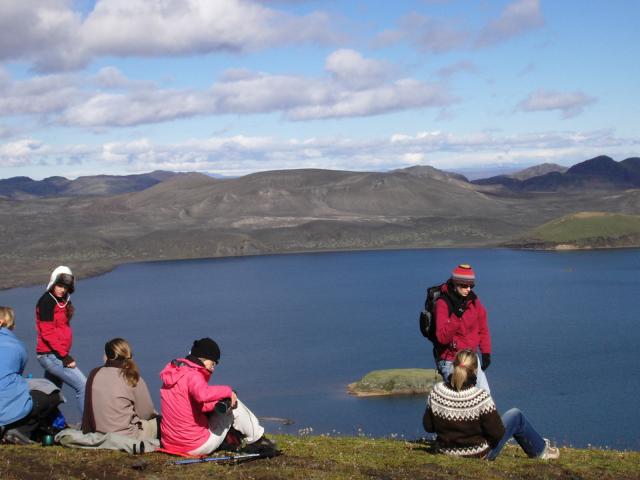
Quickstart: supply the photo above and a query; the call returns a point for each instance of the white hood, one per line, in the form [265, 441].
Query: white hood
[58, 271]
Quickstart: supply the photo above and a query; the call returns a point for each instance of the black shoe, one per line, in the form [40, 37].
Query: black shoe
[263, 446]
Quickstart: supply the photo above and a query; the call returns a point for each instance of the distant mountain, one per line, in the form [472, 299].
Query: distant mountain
[599, 173]
[538, 170]
[431, 172]
[25, 187]
[316, 193]
[194, 216]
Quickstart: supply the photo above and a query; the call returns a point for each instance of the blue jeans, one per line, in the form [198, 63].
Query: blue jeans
[56, 372]
[445, 368]
[517, 426]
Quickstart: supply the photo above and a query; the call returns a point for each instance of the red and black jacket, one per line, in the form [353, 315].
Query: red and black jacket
[55, 336]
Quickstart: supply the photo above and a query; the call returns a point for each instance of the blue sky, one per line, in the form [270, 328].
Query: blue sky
[232, 87]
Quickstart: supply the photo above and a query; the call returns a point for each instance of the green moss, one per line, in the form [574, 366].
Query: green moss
[588, 225]
[396, 381]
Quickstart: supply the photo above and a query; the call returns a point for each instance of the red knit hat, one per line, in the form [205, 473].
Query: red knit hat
[463, 273]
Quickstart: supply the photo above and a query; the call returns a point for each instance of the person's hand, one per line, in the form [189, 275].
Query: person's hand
[234, 400]
[68, 362]
[486, 360]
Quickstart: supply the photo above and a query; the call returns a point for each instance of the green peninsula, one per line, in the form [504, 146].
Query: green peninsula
[398, 381]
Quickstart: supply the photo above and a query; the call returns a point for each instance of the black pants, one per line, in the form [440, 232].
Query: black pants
[43, 411]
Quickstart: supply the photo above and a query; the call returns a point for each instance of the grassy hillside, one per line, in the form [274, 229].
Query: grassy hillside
[588, 229]
[319, 458]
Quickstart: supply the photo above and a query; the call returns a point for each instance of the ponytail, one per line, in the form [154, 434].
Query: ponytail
[130, 372]
[465, 367]
[119, 350]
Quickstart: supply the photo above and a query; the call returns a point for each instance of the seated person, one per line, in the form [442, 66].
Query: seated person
[191, 423]
[467, 423]
[24, 413]
[117, 399]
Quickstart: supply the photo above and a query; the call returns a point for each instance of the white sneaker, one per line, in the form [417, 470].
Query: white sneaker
[549, 452]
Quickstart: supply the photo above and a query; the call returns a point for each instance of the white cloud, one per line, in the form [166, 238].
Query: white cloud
[43, 32]
[427, 34]
[239, 155]
[516, 19]
[22, 152]
[55, 37]
[39, 95]
[354, 86]
[440, 35]
[569, 103]
[400, 95]
[351, 68]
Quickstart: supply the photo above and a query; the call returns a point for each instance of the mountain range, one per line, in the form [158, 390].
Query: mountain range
[95, 223]
[597, 173]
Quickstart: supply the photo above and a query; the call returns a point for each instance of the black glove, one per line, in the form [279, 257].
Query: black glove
[68, 360]
[486, 360]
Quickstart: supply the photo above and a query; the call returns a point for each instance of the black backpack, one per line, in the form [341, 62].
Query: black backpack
[428, 315]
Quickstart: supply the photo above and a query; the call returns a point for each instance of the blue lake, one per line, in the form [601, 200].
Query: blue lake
[296, 329]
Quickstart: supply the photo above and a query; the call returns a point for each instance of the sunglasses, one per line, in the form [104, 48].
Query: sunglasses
[464, 285]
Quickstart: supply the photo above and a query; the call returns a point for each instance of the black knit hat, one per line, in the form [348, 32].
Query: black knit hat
[206, 348]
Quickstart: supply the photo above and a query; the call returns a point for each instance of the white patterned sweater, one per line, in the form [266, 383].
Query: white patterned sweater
[467, 423]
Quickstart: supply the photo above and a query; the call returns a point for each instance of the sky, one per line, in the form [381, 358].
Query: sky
[231, 87]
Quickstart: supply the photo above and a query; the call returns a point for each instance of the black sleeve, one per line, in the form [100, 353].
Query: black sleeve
[44, 308]
[427, 420]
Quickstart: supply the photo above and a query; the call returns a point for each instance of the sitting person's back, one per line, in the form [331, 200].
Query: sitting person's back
[117, 398]
[15, 400]
[27, 408]
[467, 423]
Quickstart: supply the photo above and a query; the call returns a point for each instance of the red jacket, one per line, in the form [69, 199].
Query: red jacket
[459, 333]
[52, 323]
[186, 397]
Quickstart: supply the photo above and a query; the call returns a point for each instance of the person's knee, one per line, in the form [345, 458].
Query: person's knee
[514, 416]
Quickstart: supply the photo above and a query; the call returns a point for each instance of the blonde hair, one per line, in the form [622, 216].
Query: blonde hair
[119, 349]
[464, 366]
[8, 317]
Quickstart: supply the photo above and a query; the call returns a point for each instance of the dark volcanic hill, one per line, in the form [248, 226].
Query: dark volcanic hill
[25, 187]
[599, 173]
[194, 215]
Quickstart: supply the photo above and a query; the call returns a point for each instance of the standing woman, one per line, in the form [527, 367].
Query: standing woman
[55, 337]
[467, 423]
[461, 323]
[117, 399]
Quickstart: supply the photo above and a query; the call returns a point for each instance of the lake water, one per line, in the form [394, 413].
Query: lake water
[296, 329]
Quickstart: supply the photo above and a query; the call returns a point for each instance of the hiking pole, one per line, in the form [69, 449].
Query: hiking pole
[242, 456]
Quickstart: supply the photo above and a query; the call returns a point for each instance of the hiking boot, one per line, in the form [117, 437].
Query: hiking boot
[16, 437]
[263, 446]
[549, 452]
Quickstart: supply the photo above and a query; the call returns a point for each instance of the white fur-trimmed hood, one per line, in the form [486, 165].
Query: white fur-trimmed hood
[59, 271]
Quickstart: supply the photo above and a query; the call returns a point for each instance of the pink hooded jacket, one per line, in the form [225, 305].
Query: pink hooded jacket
[185, 398]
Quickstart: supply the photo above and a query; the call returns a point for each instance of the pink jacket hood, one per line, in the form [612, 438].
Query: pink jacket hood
[186, 398]
[173, 372]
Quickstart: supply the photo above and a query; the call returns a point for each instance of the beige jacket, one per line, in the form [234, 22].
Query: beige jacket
[119, 407]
